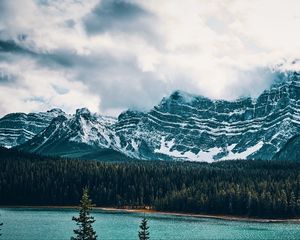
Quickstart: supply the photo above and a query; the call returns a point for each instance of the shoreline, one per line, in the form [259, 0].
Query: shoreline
[179, 214]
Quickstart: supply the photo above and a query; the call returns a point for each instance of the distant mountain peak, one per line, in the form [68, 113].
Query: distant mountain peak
[56, 110]
[181, 96]
[84, 112]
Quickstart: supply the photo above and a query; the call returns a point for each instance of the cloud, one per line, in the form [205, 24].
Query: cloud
[34, 79]
[12, 47]
[109, 15]
[111, 55]
[37, 89]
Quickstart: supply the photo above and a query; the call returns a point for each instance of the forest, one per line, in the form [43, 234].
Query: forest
[262, 189]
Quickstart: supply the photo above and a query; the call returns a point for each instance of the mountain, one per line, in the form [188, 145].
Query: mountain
[83, 135]
[291, 150]
[188, 127]
[184, 127]
[17, 128]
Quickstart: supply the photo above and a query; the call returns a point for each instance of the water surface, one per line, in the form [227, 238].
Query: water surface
[52, 224]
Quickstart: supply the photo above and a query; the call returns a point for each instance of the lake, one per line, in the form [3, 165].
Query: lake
[52, 224]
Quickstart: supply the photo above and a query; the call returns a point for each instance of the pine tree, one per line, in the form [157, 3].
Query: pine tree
[84, 222]
[144, 230]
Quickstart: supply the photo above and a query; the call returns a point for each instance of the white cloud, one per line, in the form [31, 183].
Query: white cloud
[35, 89]
[215, 48]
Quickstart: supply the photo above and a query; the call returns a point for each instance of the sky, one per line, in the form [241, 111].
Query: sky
[111, 55]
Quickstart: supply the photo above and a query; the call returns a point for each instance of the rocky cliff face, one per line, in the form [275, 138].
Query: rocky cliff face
[182, 127]
[190, 127]
[17, 128]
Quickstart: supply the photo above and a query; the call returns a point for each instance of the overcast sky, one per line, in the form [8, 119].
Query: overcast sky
[111, 55]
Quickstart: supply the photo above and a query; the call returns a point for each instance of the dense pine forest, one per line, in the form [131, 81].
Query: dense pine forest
[269, 189]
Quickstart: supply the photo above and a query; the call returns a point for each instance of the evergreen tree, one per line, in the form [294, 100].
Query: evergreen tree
[144, 230]
[84, 222]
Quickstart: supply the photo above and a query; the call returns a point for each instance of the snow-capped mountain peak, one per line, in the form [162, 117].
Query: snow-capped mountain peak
[182, 126]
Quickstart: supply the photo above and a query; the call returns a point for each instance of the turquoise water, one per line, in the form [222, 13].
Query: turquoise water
[45, 224]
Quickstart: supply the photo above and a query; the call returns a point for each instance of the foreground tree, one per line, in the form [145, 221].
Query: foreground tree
[144, 230]
[84, 222]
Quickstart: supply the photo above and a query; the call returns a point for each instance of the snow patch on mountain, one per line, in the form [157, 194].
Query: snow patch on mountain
[205, 156]
[242, 155]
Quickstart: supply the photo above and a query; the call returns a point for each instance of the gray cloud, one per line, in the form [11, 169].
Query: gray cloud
[111, 55]
[110, 15]
[123, 17]
[60, 90]
[101, 73]
[10, 46]
[120, 82]
[7, 79]
[4, 9]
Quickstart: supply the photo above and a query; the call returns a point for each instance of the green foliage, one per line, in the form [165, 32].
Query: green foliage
[144, 230]
[268, 189]
[84, 222]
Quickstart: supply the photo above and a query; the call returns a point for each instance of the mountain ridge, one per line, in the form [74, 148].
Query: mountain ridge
[183, 126]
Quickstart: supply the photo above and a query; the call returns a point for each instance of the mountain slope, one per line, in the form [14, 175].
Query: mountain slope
[17, 128]
[290, 151]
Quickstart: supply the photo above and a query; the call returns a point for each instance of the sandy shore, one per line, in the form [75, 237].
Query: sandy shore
[221, 217]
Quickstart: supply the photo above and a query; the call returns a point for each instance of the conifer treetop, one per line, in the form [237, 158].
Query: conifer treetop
[144, 233]
[84, 222]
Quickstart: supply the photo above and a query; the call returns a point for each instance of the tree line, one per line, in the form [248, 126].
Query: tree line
[264, 189]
